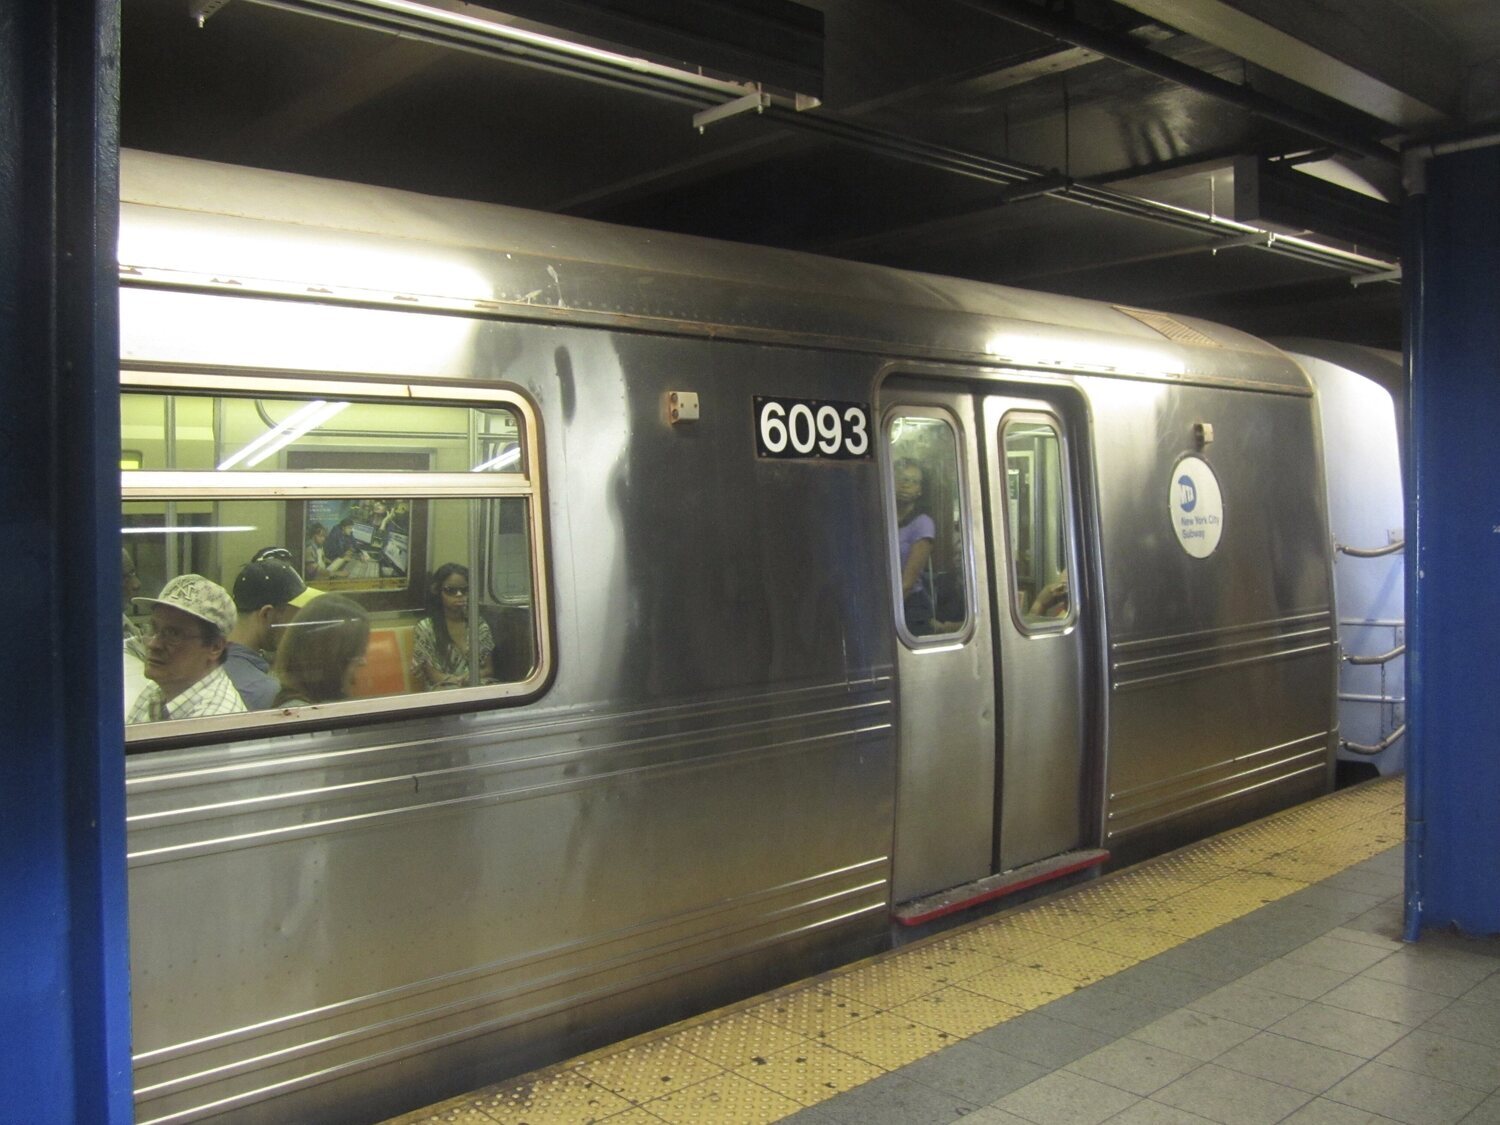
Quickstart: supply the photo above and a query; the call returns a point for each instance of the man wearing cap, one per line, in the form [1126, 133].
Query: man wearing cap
[191, 620]
[267, 595]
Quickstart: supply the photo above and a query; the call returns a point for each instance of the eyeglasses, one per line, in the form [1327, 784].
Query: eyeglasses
[455, 591]
[172, 635]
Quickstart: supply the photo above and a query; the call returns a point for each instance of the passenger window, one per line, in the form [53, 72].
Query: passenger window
[290, 555]
[929, 535]
[1037, 501]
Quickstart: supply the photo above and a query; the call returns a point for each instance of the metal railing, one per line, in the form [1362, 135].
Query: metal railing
[1384, 744]
[1370, 552]
[1382, 658]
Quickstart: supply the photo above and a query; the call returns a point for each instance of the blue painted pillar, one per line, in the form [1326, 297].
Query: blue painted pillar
[1452, 294]
[65, 1033]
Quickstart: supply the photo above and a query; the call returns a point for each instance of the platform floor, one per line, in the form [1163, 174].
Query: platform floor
[1252, 978]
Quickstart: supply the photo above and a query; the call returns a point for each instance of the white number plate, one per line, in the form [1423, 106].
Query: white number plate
[812, 429]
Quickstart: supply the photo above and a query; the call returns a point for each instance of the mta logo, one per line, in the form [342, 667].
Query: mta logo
[1187, 495]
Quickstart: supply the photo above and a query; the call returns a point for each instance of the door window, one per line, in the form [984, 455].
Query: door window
[926, 488]
[1036, 500]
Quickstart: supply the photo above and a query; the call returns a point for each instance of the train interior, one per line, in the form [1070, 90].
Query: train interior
[342, 489]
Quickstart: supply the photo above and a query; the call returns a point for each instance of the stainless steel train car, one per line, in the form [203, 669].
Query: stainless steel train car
[798, 590]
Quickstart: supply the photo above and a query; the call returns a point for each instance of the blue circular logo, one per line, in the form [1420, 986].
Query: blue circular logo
[1186, 493]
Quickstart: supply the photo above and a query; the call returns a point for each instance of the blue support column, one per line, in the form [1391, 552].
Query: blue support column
[65, 1036]
[1452, 285]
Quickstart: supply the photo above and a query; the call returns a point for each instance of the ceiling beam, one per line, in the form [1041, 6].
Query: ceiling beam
[367, 77]
[1254, 40]
[1131, 53]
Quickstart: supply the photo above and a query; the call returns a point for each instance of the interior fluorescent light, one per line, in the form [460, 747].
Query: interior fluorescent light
[311, 422]
[506, 460]
[191, 529]
[272, 434]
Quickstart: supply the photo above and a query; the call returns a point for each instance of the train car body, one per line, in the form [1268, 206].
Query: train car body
[729, 745]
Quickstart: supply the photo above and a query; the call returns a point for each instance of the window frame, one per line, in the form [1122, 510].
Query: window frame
[965, 631]
[290, 486]
[1052, 626]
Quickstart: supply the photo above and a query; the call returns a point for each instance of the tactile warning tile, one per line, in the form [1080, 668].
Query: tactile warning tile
[1254, 889]
[888, 1041]
[957, 1011]
[812, 1012]
[1302, 868]
[1189, 917]
[734, 1040]
[999, 938]
[882, 985]
[1057, 919]
[811, 1075]
[728, 1099]
[1185, 868]
[1081, 964]
[1108, 898]
[551, 1100]
[1130, 939]
[1354, 844]
[460, 1115]
[1145, 886]
[433, 1114]
[648, 1071]
[1021, 986]
[1264, 838]
[944, 964]
[1233, 855]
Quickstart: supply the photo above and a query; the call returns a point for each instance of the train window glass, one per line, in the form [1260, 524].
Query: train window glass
[327, 433]
[927, 490]
[395, 543]
[1036, 500]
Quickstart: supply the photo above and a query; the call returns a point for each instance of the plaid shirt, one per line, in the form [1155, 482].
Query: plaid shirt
[214, 694]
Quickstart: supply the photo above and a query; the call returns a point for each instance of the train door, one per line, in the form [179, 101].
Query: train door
[989, 647]
[1038, 630]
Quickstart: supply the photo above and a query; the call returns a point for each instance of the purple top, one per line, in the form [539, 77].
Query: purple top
[910, 533]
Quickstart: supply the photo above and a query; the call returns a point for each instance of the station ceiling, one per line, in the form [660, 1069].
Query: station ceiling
[1233, 159]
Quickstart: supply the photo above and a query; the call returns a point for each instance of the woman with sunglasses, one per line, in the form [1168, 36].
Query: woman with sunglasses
[440, 642]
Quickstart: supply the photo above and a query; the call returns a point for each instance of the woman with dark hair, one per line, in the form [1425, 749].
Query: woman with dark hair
[915, 532]
[322, 649]
[440, 642]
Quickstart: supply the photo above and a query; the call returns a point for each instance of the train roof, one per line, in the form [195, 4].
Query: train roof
[252, 231]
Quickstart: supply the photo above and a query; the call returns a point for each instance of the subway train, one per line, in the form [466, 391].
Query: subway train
[799, 591]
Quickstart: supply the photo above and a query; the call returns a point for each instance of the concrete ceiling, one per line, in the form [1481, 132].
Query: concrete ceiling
[1155, 152]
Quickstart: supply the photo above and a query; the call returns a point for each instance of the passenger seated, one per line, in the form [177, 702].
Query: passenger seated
[267, 594]
[134, 672]
[322, 650]
[440, 641]
[191, 621]
[915, 532]
[1051, 600]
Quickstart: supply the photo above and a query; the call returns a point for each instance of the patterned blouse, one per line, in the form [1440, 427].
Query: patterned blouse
[452, 666]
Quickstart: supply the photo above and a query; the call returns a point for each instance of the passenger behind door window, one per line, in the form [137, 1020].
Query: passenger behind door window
[1036, 498]
[929, 523]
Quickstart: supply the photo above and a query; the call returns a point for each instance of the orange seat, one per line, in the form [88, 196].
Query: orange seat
[386, 670]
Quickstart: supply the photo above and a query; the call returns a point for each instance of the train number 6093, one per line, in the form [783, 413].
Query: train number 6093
[812, 429]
